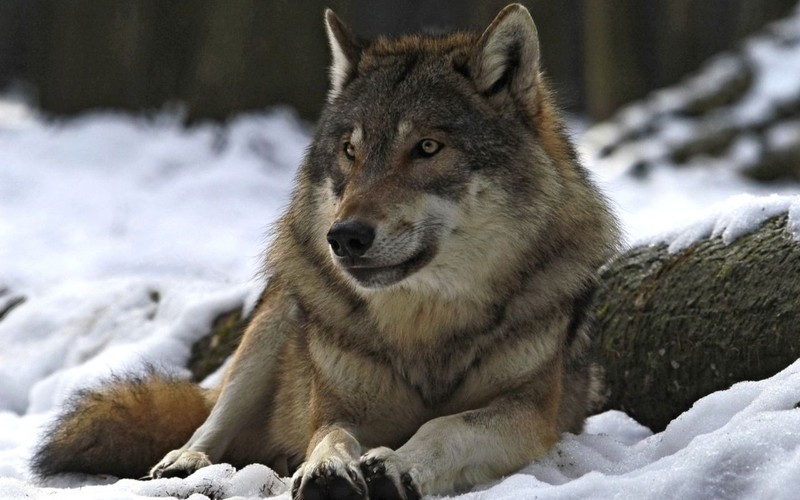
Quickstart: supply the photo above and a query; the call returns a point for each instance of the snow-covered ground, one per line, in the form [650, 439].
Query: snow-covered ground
[127, 235]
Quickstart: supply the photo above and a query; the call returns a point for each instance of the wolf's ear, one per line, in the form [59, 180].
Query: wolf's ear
[345, 51]
[506, 57]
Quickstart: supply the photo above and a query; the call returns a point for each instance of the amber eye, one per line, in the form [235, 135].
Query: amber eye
[428, 147]
[349, 151]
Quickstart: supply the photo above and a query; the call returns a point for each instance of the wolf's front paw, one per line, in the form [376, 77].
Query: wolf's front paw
[329, 479]
[388, 476]
[179, 463]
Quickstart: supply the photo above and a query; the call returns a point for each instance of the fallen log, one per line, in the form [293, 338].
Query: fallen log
[674, 327]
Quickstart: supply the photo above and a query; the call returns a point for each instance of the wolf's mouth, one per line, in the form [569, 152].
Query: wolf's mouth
[373, 276]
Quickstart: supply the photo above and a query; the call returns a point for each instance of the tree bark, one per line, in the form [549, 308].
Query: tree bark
[676, 327]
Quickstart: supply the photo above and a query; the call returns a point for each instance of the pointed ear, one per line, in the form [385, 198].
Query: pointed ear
[345, 52]
[506, 57]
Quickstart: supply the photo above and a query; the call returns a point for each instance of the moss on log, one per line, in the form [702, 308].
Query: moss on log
[676, 327]
[212, 350]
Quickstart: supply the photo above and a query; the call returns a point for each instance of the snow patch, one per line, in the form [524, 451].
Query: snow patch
[739, 215]
[108, 194]
[82, 332]
[737, 443]
[740, 109]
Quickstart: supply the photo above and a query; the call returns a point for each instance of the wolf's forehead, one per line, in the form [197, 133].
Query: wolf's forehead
[408, 93]
[395, 91]
[403, 76]
[419, 47]
[415, 58]
[402, 118]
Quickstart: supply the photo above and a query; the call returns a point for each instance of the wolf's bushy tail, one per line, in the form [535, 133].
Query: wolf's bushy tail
[122, 428]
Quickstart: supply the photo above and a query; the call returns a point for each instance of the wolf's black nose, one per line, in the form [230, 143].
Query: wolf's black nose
[350, 238]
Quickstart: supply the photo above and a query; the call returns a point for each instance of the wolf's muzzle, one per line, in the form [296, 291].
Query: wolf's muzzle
[350, 238]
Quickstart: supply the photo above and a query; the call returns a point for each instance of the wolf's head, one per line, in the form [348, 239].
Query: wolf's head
[435, 159]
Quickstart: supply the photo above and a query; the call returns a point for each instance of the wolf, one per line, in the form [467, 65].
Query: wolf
[426, 325]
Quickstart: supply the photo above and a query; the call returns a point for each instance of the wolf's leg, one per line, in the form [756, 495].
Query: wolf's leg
[332, 469]
[456, 451]
[245, 394]
[239, 399]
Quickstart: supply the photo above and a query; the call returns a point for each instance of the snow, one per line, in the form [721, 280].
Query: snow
[740, 443]
[216, 481]
[735, 217]
[668, 199]
[126, 235]
[81, 331]
[685, 124]
[777, 67]
[109, 194]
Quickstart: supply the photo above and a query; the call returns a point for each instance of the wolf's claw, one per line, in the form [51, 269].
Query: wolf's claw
[179, 463]
[386, 477]
[332, 479]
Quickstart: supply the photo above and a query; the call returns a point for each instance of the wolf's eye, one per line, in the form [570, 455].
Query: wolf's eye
[349, 151]
[427, 148]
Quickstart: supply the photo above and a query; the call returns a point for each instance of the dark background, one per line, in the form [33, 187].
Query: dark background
[218, 57]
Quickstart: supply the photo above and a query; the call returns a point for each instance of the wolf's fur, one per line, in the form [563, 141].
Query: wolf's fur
[438, 338]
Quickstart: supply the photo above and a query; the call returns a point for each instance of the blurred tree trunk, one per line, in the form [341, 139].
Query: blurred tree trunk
[82, 54]
[252, 53]
[614, 56]
[111, 54]
[221, 57]
[14, 31]
[217, 57]
[676, 327]
[632, 47]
